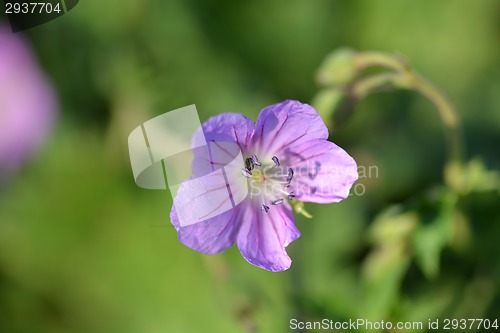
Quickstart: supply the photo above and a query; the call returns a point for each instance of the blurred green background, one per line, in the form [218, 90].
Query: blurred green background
[82, 249]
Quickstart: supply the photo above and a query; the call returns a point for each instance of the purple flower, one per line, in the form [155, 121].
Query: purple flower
[286, 158]
[27, 102]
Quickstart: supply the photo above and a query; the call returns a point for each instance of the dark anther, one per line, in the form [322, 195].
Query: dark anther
[276, 161]
[249, 164]
[276, 202]
[290, 175]
[264, 208]
[246, 173]
[256, 160]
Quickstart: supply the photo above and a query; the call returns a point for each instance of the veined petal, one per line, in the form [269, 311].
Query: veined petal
[324, 172]
[213, 235]
[220, 140]
[226, 127]
[223, 157]
[283, 124]
[205, 211]
[263, 237]
[202, 198]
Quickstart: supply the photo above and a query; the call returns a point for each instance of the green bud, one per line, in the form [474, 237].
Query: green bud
[338, 69]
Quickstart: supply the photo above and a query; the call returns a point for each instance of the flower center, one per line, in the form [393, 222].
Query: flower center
[270, 183]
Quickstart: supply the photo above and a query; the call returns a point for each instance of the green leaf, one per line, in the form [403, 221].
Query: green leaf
[382, 273]
[393, 225]
[430, 239]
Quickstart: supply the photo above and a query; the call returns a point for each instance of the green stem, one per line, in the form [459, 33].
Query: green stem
[405, 78]
[376, 83]
[452, 125]
[364, 60]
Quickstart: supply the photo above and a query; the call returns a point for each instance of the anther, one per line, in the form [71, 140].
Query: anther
[246, 173]
[291, 195]
[276, 161]
[264, 208]
[256, 160]
[249, 164]
[290, 175]
[276, 202]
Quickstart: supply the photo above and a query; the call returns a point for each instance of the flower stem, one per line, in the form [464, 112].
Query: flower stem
[403, 77]
[451, 121]
[367, 59]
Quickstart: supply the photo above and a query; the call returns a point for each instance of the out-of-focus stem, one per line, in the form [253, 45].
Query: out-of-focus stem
[452, 125]
[376, 83]
[404, 78]
[364, 60]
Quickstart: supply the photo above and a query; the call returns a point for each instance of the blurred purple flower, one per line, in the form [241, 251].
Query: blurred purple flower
[27, 102]
[287, 157]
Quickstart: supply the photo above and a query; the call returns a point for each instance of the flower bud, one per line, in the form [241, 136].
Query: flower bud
[338, 68]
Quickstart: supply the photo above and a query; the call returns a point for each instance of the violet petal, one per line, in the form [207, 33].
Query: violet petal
[262, 238]
[210, 236]
[226, 136]
[226, 127]
[324, 172]
[290, 122]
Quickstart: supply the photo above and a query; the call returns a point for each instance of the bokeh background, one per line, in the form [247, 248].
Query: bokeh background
[82, 249]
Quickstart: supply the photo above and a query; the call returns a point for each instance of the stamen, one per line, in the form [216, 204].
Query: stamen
[246, 173]
[290, 175]
[276, 180]
[256, 160]
[276, 202]
[249, 165]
